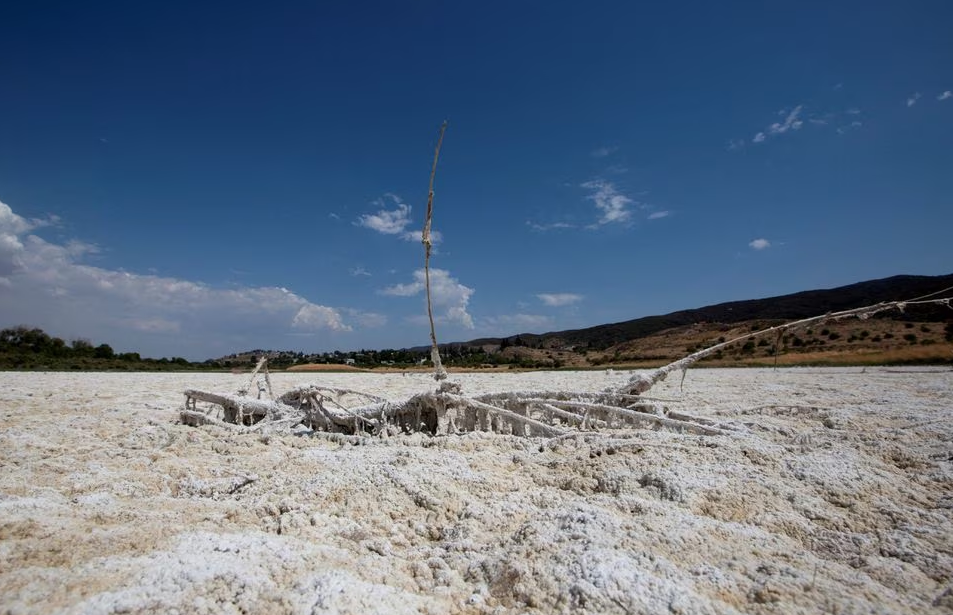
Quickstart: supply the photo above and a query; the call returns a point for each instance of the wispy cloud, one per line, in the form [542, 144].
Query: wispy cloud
[446, 292]
[854, 125]
[912, 100]
[559, 299]
[51, 286]
[542, 228]
[387, 221]
[612, 204]
[514, 321]
[735, 144]
[759, 244]
[602, 152]
[945, 95]
[791, 122]
[655, 215]
[796, 118]
[359, 271]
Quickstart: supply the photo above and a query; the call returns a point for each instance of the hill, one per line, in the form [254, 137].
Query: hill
[785, 307]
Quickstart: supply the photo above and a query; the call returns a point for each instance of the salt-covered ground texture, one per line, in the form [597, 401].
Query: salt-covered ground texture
[835, 496]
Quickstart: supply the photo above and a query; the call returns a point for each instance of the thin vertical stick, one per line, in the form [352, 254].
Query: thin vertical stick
[439, 372]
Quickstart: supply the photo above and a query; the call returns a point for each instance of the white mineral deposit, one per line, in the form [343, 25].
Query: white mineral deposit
[822, 491]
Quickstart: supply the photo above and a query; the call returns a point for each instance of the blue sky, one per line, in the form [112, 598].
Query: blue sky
[195, 179]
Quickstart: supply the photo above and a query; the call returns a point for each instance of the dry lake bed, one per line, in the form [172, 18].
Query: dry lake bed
[832, 494]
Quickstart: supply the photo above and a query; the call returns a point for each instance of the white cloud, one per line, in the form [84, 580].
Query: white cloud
[853, 111]
[359, 271]
[945, 95]
[655, 215]
[445, 291]
[54, 289]
[856, 124]
[735, 144]
[521, 321]
[791, 122]
[559, 299]
[602, 152]
[913, 99]
[387, 221]
[314, 317]
[395, 221]
[548, 227]
[151, 325]
[418, 236]
[368, 320]
[612, 203]
[760, 244]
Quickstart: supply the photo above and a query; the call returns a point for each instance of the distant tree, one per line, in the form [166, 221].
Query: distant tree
[82, 347]
[58, 347]
[104, 351]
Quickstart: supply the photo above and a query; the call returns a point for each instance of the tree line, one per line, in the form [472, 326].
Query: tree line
[28, 348]
[31, 348]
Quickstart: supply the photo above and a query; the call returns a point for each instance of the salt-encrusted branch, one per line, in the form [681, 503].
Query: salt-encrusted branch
[636, 416]
[643, 381]
[261, 367]
[237, 408]
[540, 427]
[439, 372]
